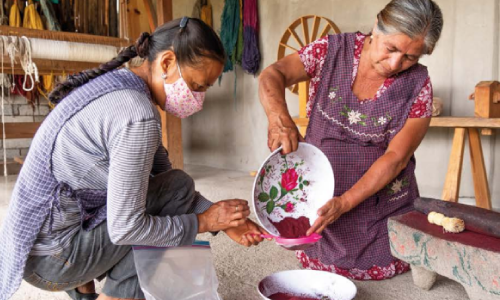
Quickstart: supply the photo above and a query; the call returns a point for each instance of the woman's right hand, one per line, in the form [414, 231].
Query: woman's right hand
[223, 215]
[283, 132]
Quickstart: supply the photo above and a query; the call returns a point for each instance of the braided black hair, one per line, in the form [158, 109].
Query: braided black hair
[190, 43]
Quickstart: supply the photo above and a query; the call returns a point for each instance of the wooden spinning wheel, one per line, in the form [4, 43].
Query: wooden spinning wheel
[297, 35]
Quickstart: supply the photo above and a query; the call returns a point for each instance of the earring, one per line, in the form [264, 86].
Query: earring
[164, 76]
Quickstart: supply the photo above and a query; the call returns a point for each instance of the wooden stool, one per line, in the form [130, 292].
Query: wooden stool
[452, 183]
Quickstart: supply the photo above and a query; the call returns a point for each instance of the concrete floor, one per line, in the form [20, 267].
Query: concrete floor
[240, 269]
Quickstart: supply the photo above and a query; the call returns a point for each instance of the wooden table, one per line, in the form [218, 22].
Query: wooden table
[462, 125]
[470, 125]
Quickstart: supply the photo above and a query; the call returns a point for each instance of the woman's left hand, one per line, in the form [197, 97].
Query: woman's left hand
[328, 213]
[247, 234]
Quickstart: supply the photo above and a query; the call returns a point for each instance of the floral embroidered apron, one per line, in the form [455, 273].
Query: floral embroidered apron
[353, 135]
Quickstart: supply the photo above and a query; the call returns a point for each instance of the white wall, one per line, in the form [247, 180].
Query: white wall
[231, 133]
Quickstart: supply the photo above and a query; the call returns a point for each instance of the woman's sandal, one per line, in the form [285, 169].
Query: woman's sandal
[76, 295]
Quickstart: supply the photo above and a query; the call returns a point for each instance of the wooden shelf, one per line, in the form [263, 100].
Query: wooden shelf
[64, 36]
[20, 130]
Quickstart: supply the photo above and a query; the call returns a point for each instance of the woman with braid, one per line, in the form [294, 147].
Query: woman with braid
[98, 180]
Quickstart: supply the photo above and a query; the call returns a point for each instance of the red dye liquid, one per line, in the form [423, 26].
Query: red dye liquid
[292, 228]
[284, 296]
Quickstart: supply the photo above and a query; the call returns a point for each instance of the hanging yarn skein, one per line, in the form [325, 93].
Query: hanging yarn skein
[230, 23]
[15, 15]
[32, 19]
[202, 10]
[206, 14]
[238, 51]
[251, 53]
[4, 20]
[50, 15]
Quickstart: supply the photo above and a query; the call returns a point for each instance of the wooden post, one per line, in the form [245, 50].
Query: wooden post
[137, 19]
[452, 181]
[303, 95]
[152, 19]
[171, 125]
[481, 189]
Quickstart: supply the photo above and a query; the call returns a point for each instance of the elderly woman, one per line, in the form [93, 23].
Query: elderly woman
[370, 103]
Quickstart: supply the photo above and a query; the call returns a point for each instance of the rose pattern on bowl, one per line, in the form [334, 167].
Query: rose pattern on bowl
[283, 186]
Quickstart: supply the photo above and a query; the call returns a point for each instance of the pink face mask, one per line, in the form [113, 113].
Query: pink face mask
[181, 101]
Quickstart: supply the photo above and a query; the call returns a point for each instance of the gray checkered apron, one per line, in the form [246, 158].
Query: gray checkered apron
[353, 135]
[37, 190]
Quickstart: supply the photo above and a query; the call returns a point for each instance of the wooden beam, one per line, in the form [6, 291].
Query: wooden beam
[137, 19]
[454, 174]
[113, 18]
[481, 188]
[449, 122]
[19, 160]
[63, 36]
[301, 121]
[20, 130]
[13, 168]
[303, 96]
[47, 66]
[171, 125]
[152, 18]
[465, 122]
[164, 8]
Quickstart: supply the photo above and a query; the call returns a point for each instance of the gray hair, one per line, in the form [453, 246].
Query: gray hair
[413, 18]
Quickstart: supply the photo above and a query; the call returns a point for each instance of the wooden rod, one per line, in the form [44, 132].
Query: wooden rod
[326, 30]
[296, 37]
[49, 66]
[63, 36]
[289, 47]
[152, 18]
[20, 130]
[481, 188]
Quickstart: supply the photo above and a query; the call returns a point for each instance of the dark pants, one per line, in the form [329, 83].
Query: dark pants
[92, 254]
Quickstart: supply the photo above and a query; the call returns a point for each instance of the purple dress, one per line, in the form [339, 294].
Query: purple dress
[353, 135]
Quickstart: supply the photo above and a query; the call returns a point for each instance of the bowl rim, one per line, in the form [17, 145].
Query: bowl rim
[347, 280]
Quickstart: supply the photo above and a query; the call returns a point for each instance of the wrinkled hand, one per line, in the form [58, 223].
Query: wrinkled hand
[328, 213]
[247, 234]
[223, 215]
[283, 132]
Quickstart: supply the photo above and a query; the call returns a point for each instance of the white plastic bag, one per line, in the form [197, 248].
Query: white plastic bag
[177, 273]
